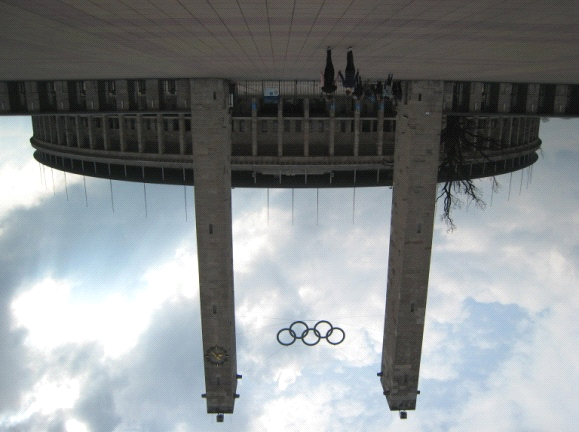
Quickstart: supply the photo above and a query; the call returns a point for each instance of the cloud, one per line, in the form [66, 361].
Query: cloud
[23, 182]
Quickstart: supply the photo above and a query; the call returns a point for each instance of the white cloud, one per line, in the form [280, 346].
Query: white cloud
[23, 182]
[73, 425]
[53, 315]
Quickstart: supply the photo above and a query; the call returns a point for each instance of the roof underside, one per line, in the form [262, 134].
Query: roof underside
[452, 40]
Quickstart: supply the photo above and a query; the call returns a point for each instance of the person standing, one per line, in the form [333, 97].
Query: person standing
[350, 80]
[328, 78]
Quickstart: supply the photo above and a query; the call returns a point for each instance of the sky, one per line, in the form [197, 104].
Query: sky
[99, 309]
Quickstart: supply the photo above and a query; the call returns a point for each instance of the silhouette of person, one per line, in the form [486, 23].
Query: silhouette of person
[350, 80]
[328, 78]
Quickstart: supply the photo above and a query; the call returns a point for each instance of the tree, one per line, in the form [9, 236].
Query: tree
[460, 143]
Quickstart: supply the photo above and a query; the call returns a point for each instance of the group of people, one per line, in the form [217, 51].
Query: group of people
[352, 82]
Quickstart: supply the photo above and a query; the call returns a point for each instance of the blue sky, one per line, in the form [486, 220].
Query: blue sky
[99, 311]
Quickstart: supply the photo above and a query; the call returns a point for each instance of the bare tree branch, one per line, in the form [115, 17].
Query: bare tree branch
[460, 137]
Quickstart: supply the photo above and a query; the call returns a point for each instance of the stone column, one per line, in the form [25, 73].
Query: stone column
[122, 138]
[181, 134]
[58, 130]
[91, 137]
[140, 141]
[50, 129]
[79, 134]
[416, 155]
[67, 131]
[160, 137]
[106, 133]
[380, 129]
[210, 120]
[357, 128]
[332, 142]
[44, 130]
[306, 127]
[254, 127]
[280, 127]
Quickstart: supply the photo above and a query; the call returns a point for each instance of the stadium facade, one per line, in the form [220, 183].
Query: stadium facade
[218, 134]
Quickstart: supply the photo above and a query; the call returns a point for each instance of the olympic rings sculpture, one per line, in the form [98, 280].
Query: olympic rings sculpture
[317, 334]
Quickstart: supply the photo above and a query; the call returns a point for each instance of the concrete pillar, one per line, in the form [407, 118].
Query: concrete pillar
[62, 100]
[39, 128]
[380, 129]
[280, 127]
[106, 133]
[306, 127]
[560, 99]
[210, 120]
[332, 140]
[152, 94]
[4, 97]
[416, 154]
[67, 133]
[122, 138]
[181, 134]
[91, 132]
[92, 95]
[122, 95]
[59, 139]
[51, 129]
[140, 141]
[533, 93]
[160, 135]
[44, 129]
[356, 128]
[254, 127]
[32, 96]
[505, 97]
[79, 136]
[475, 99]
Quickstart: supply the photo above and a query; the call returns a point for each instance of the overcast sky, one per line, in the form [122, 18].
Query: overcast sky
[99, 311]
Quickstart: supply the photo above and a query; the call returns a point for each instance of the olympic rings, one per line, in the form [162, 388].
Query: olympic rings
[295, 334]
